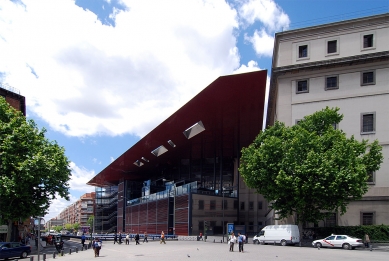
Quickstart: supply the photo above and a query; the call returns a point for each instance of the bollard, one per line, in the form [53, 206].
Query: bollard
[221, 241]
[274, 243]
[53, 255]
[371, 247]
[31, 258]
[62, 252]
[70, 251]
[214, 241]
[76, 249]
[44, 257]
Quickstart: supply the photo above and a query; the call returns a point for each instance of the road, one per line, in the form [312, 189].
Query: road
[204, 251]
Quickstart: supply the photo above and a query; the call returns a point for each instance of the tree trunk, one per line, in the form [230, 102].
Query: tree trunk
[9, 232]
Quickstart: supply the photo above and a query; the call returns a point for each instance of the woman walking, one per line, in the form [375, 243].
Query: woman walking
[162, 238]
[232, 241]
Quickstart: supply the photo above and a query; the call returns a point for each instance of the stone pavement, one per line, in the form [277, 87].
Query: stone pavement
[207, 251]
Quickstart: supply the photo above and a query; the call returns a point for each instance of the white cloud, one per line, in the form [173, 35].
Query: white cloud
[262, 43]
[265, 11]
[97, 79]
[58, 205]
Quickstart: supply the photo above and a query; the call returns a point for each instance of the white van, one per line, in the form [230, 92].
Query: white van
[278, 234]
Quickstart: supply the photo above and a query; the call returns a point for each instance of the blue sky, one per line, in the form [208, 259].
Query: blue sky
[97, 74]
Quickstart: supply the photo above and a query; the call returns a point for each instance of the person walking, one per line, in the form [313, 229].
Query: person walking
[232, 241]
[162, 238]
[83, 240]
[120, 237]
[97, 244]
[367, 240]
[127, 239]
[240, 242]
[137, 239]
[145, 238]
[115, 238]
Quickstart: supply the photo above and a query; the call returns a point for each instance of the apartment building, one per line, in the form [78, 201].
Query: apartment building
[343, 64]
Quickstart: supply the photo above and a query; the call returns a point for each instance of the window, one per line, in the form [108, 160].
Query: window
[302, 86]
[259, 204]
[332, 47]
[225, 205]
[201, 225]
[371, 178]
[212, 223]
[242, 205]
[303, 51]
[331, 220]
[251, 226]
[332, 82]
[368, 41]
[235, 204]
[368, 78]
[251, 205]
[368, 123]
[212, 205]
[367, 218]
[201, 204]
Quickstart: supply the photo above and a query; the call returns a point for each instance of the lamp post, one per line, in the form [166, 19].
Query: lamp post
[174, 203]
[228, 188]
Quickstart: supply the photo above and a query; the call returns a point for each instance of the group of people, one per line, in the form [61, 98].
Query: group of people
[232, 240]
[137, 238]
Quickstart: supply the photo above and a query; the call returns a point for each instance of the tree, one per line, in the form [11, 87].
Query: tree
[91, 222]
[69, 227]
[33, 170]
[76, 227]
[309, 169]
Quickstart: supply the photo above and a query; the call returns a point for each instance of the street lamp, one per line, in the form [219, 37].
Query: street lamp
[223, 189]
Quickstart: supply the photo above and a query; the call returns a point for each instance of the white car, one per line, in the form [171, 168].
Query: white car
[344, 241]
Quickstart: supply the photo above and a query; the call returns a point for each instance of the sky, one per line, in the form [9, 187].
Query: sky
[99, 75]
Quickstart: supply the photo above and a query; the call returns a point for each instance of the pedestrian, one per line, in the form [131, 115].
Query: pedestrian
[137, 239]
[232, 241]
[162, 238]
[120, 237]
[97, 244]
[127, 239]
[115, 238]
[83, 240]
[240, 242]
[367, 240]
[145, 238]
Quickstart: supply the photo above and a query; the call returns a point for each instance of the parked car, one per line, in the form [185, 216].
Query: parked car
[279, 234]
[344, 241]
[14, 249]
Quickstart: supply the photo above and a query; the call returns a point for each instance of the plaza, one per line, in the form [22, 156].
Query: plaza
[200, 250]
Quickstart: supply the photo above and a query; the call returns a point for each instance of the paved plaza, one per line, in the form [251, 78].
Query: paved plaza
[208, 251]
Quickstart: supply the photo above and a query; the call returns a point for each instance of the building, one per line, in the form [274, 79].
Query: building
[182, 177]
[343, 64]
[80, 211]
[13, 97]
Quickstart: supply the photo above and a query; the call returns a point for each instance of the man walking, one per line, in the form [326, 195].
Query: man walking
[137, 239]
[127, 239]
[145, 238]
[115, 238]
[120, 237]
[240, 241]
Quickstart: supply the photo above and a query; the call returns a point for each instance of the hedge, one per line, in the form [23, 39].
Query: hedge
[377, 233]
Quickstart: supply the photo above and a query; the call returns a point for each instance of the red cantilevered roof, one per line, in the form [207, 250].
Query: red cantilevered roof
[231, 111]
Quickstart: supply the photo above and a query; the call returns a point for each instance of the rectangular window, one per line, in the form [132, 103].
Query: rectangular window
[212, 205]
[332, 46]
[225, 206]
[251, 226]
[303, 51]
[242, 205]
[368, 78]
[368, 123]
[201, 204]
[302, 86]
[367, 218]
[235, 204]
[331, 220]
[251, 205]
[368, 41]
[371, 178]
[201, 225]
[332, 82]
[259, 204]
[212, 223]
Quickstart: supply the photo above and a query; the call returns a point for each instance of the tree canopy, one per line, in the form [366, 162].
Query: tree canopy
[310, 169]
[33, 170]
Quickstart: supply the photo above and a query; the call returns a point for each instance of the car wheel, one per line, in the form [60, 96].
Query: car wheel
[346, 246]
[256, 242]
[262, 242]
[283, 243]
[318, 245]
[23, 255]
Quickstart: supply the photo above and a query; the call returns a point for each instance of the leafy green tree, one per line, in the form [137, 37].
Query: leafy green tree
[69, 227]
[57, 228]
[76, 226]
[309, 169]
[90, 222]
[33, 170]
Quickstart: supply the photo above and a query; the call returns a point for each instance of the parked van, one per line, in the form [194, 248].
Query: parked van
[278, 234]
